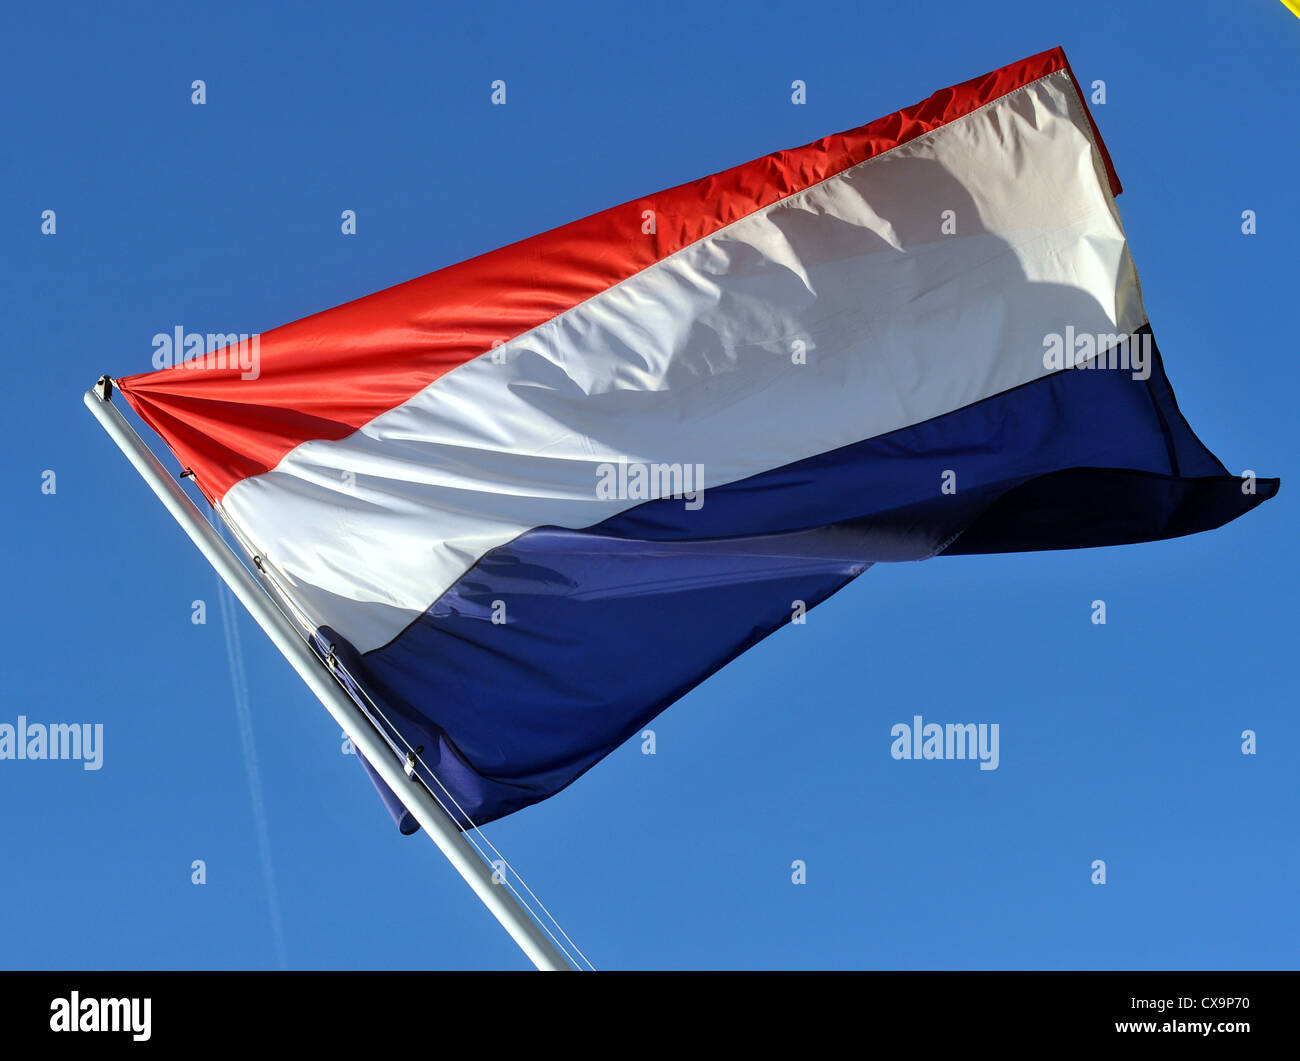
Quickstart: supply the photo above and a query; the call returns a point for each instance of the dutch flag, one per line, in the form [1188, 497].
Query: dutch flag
[487, 492]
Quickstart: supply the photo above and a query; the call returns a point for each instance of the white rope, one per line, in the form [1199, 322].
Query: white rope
[244, 715]
[478, 829]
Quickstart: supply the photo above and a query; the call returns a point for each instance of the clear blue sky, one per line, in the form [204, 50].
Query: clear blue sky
[1119, 742]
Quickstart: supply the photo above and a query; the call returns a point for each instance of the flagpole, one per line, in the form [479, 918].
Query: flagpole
[525, 931]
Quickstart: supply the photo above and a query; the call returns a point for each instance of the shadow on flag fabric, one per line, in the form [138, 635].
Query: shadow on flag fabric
[486, 492]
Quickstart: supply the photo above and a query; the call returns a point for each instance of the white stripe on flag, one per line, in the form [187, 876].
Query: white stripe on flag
[691, 360]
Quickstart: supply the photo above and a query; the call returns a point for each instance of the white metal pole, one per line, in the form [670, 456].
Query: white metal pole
[411, 791]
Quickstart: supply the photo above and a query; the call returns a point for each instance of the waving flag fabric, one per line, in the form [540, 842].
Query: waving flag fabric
[495, 491]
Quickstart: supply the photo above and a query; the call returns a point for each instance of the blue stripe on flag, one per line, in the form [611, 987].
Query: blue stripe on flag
[510, 713]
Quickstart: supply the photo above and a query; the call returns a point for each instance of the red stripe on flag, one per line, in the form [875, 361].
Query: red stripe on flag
[326, 375]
